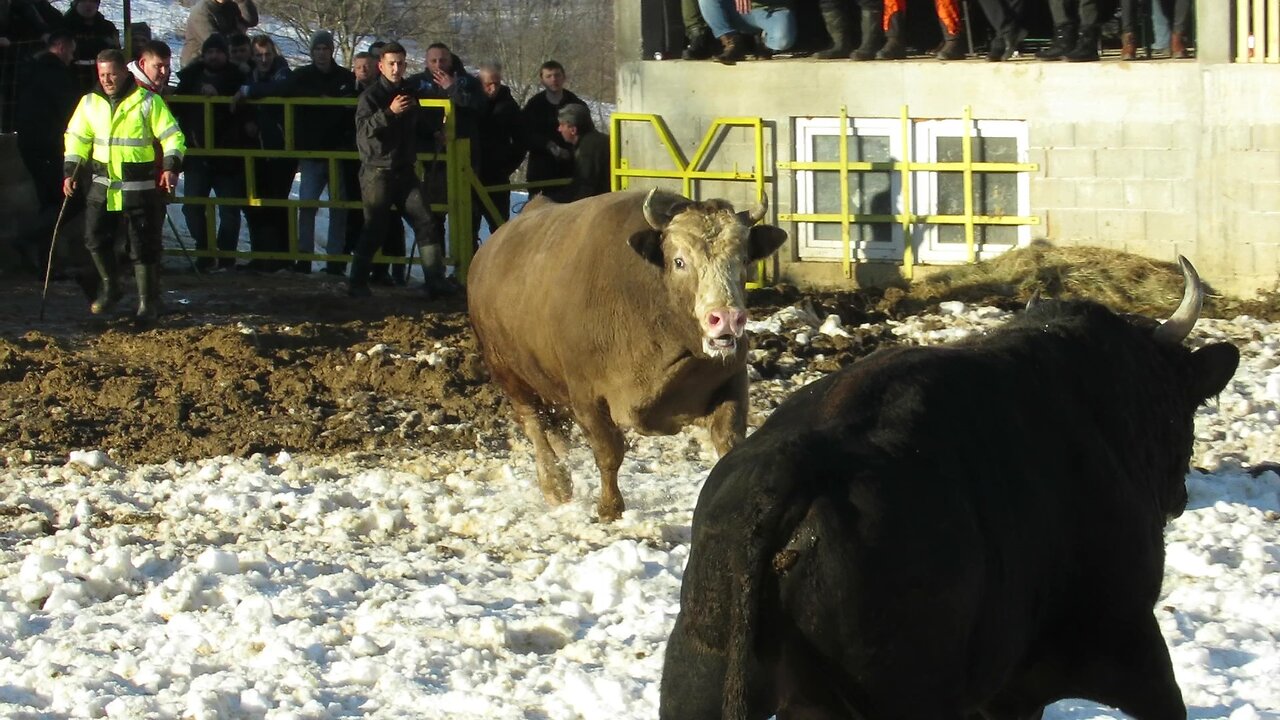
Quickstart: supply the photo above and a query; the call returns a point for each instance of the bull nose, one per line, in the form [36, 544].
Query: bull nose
[725, 321]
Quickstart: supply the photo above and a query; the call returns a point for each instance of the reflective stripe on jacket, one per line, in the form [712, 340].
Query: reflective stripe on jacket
[118, 145]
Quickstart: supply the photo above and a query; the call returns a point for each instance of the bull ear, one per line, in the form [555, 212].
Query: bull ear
[763, 240]
[660, 206]
[1214, 365]
[648, 245]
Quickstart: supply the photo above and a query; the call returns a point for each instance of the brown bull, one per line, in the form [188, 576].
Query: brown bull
[618, 311]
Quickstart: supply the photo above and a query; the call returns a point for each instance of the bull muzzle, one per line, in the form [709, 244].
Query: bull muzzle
[721, 330]
[1174, 330]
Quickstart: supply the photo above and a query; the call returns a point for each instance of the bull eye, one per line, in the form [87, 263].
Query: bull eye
[679, 263]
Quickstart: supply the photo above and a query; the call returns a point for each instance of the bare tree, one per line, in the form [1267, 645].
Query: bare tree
[578, 33]
[353, 22]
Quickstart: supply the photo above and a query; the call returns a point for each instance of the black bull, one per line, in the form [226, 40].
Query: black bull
[971, 530]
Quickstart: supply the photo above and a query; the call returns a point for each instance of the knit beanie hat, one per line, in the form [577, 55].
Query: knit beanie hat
[214, 42]
[322, 37]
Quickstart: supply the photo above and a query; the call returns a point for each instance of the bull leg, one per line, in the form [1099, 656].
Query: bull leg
[608, 444]
[1133, 672]
[727, 423]
[553, 479]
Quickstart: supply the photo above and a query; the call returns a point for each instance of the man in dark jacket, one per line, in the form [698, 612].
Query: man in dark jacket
[323, 128]
[446, 79]
[216, 17]
[273, 177]
[365, 69]
[47, 95]
[550, 157]
[93, 33]
[213, 75]
[501, 146]
[590, 155]
[387, 118]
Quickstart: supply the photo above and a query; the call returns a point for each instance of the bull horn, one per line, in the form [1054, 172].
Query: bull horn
[1174, 330]
[1034, 300]
[649, 216]
[757, 212]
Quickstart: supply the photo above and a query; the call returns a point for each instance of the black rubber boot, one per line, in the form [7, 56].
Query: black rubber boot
[953, 48]
[895, 48]
[701, 47]
[1064, 41]
[108, 285]
[148, 277]
[872, 36]
[1086, 49]
[835, 16]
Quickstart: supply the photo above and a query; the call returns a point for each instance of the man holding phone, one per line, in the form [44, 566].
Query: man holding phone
[387, 117]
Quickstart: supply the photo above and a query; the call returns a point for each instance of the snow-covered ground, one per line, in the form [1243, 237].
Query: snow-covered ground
[438, 585]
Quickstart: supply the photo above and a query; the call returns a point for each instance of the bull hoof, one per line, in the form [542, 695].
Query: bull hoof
[557, 490]
[610, 511]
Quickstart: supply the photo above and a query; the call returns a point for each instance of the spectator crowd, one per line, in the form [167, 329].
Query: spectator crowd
[61, 58]
[729, 31]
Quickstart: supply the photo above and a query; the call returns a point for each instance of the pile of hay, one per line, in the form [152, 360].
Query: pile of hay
[1121, 281]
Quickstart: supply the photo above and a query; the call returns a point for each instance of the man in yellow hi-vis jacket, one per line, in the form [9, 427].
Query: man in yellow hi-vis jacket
[114, 129]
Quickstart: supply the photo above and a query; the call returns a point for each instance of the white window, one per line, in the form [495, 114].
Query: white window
[1000, 194]
[878, 192]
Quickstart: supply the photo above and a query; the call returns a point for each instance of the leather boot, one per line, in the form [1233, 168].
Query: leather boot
[1178, 46]
[108, 285]
[835, 17]
[734, 48]
[952, 47]
[1064, 41]
[1086, 49]
[872, 36]
[701, 47]
[894, 48]
[148, 277]
[1128, 46]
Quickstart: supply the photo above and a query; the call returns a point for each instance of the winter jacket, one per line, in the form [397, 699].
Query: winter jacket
[541, 128]
[325, 126]
[209, 16]
[117, 138]
[467, 97]
[498, 132]
[228, 126]
[277, 81]
[48, 92]
[590, 168]
[386, 140]
[92, 36]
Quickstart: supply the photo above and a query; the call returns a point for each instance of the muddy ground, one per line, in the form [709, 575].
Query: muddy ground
[242, 363]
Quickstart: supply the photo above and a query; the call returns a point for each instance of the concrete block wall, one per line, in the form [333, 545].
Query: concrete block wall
[1159, 158]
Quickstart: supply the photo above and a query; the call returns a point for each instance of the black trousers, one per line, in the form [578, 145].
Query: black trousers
[1085, 12]
[393, 238]
[382, 190]
[143, 225]
[1004, 15]
[500, 198]
[269, 226]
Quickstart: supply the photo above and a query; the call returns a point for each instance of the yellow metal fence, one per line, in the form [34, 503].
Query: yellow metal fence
[905, 168]
[460, 180]
[691, 171]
